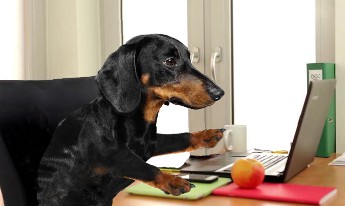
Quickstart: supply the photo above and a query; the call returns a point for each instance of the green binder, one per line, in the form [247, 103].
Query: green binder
[317, 71]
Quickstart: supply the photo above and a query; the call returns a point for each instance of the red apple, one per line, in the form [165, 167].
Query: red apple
[248, 173]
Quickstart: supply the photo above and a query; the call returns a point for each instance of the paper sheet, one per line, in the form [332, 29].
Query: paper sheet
[169, 160]
[340, 161]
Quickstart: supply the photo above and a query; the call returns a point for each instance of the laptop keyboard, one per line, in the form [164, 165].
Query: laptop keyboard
[268, 160]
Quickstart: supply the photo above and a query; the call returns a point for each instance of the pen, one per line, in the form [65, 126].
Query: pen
[170, 169]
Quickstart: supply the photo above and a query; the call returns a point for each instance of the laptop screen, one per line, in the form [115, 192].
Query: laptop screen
[310, 126]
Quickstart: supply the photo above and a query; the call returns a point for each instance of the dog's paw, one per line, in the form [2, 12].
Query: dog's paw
[171, 184]
[207, 138]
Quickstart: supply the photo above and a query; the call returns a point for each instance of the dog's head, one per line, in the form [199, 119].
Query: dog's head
[159, 66]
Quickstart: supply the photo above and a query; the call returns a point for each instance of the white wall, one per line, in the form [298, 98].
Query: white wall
[340, 73]
[165, 17]
[12, 40]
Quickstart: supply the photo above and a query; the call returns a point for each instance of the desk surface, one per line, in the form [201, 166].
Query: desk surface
[319, 173]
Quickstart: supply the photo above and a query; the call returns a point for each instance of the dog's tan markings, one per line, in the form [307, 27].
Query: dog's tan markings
[190, 92]
[152, 107]
[207, 138]
[145, 79]
[171, 184]
[101, 170]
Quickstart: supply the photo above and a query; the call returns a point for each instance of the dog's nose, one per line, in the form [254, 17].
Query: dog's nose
[216, 93]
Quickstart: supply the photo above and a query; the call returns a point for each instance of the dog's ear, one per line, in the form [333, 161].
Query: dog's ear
[118, 80]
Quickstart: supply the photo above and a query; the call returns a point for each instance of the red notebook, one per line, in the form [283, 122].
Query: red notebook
[281, 192]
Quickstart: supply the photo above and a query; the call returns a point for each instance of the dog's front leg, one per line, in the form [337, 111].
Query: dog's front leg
[169, 143]
[133, 167]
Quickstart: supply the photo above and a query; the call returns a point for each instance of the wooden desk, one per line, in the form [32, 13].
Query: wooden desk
[319, 173]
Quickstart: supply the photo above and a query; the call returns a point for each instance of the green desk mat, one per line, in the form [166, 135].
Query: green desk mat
[200, 190]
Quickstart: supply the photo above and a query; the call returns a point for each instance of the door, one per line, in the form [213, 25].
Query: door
[209, 32]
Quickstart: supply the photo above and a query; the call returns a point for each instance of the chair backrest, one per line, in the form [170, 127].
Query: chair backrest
[29, 113]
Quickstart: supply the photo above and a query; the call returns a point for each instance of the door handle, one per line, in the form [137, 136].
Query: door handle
[195, 55]
[216, 57]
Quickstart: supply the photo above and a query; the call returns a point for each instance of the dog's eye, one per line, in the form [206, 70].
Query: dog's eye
[170, 61]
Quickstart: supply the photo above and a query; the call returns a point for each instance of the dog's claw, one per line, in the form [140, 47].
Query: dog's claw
[192, 185]
[222, 130]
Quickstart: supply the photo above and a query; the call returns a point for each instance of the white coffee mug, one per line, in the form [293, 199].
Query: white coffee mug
[235, 138]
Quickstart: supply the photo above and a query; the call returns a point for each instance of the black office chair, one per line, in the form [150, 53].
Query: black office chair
[29, 113]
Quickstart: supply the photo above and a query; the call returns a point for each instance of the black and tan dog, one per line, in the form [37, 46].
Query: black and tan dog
[101, 148]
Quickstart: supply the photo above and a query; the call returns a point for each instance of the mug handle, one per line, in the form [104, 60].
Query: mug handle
[227, 141]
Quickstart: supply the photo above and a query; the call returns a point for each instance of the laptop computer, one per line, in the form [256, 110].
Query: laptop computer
[303, 148]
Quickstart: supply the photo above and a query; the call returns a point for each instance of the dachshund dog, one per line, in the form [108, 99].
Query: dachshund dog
[103, 147]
